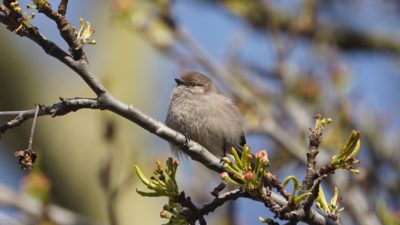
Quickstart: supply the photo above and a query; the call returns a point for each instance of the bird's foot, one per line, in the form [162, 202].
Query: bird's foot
[187, 139]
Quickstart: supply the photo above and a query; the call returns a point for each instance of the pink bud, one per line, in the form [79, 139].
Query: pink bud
[224, 175]
[163, 214]
[248, 175]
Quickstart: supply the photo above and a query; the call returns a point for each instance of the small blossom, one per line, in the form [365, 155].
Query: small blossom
[262, 155]
[85, 33]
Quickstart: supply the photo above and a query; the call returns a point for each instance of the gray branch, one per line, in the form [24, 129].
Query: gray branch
[63, 107]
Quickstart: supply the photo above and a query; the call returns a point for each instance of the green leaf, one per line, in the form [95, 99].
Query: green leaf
[237, 159]
[323, 204]
[354, 153]
[148, 194]
[296, 183]
[300, 198]
[142, 177]
[245, 152]
[335, 197]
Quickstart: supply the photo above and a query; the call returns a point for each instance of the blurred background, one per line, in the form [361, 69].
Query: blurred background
[282, 62]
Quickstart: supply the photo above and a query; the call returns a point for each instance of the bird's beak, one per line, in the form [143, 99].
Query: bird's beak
[179, 81]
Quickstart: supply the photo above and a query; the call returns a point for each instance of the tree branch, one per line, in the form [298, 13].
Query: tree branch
[58, 109]
[191, 148]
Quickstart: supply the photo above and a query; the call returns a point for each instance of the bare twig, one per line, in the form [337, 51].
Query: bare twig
[62, 7]
[33, 127]
[220, 200]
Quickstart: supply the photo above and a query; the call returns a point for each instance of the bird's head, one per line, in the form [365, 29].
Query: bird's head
[196, 83]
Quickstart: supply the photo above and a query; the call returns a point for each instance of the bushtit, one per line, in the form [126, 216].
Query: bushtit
[201, 113]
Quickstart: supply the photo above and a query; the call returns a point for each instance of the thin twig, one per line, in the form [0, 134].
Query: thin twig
[221, 199]
[33, 127]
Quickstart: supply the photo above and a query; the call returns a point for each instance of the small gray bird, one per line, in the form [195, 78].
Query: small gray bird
[201, 113]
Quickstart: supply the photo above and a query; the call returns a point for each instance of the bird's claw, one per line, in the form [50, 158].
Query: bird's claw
[187, 139]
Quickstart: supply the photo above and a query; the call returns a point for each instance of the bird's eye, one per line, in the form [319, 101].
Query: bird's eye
[192, 84]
